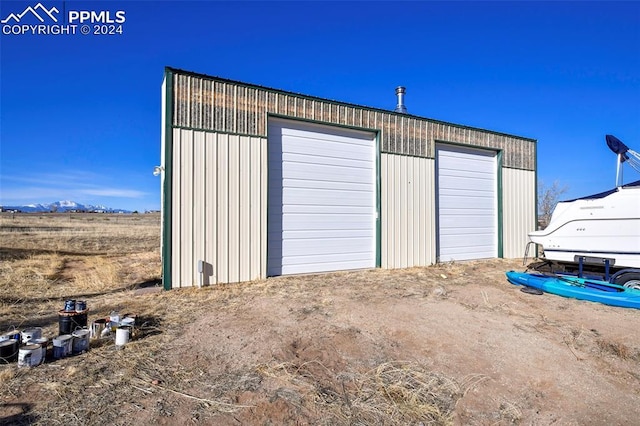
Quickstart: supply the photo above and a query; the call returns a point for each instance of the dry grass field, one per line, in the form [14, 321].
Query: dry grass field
[447, 344]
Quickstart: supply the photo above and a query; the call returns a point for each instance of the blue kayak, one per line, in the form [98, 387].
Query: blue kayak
[579, 288]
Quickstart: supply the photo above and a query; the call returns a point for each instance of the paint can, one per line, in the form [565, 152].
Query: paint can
[69, 305]
[68, 322]
[31, 334]
[30, 355]
[80, 341]
[62, 346]
[122, 336]
[15, 334]
[9, 351]
[47, 350]
[114, 320]
[81, 305]
[97, 327]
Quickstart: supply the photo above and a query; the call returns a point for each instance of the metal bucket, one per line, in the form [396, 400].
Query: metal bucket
[68, 322]
[80, 341]
[9, 351]
[62, 346]
[30, 355]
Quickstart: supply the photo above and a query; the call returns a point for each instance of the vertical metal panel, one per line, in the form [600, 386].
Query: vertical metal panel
[211, 214]
[233, 201]
[199, 225]
[403, 212]
[263, 207]
[407, 203]
[384, 217]
[244, 175]
[176, 217]
[255, 209]
[518, 200]
[186, 208]
[222, 262]
[411, 231]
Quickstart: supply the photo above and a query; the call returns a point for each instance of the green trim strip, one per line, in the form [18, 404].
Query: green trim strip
[378, 203]
[535, 190]
[500, 207]
[168, 180]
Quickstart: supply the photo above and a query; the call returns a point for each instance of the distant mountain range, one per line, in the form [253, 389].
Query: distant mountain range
[62, 207]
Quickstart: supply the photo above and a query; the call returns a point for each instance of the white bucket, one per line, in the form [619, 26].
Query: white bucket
[122, 335]
[128, 321]
[31, 334]
[80, 341]
[62, 346]
[30, 355]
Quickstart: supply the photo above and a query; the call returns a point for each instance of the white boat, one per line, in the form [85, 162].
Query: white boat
[598, 227]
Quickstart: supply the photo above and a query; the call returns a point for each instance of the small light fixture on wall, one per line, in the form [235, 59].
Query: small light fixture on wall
[157, 170]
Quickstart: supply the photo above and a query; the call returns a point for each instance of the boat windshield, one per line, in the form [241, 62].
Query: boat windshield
[605, 193]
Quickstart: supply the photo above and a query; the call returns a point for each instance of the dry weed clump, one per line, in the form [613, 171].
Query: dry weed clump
[615, 348]
[393, 393]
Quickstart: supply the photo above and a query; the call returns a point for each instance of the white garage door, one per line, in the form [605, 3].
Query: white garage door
[467, 203]
[322, 198]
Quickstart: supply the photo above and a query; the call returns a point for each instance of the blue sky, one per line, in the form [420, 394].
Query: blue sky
[80, 114]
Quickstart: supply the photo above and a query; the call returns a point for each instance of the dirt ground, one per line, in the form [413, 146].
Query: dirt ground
[447, 344]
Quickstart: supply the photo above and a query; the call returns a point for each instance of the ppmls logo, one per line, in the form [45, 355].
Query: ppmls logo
[34, 11]
[40, 20]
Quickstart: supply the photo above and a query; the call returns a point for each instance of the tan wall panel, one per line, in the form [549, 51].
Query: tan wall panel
[198, 205]
[234, 209]
[211, 213]
[176, 217]
[245, 205]
[384, 218]
[407, 204]
[219, 208]
[222, 206]
[186, 209]
[518, 210]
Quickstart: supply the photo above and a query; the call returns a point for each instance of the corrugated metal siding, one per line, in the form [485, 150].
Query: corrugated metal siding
[407, 211]
[210, 104]
[219, 207]
[518, 210]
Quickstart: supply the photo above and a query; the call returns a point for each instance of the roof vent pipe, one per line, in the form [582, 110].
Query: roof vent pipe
[400, 91]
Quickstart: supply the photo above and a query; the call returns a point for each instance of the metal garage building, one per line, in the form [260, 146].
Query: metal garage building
[260, 182]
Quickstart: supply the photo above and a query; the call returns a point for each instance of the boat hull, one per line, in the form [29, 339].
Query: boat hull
[603, 226]
[579, 288]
